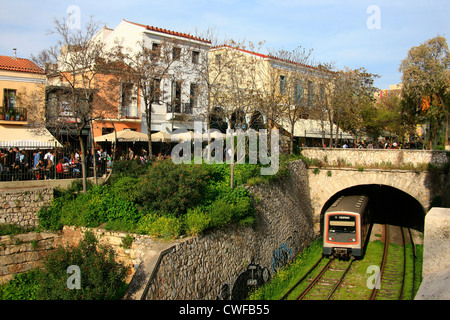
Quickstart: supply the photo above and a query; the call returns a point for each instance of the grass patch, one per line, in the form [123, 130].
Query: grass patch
[355, 282]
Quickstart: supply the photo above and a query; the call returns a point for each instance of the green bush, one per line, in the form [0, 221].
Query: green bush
[186, 198]
[160, 226]
[171, 189]
[220, 213]
[23, 286]
[50, 215]
[195, 221]
[102, 278]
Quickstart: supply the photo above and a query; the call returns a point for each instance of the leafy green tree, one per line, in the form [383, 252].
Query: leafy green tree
[352, 92]
[426, 81]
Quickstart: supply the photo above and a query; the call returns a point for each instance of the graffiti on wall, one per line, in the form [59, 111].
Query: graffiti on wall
[280, 257]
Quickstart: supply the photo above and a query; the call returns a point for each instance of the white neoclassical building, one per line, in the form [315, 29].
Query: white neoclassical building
[182, 97]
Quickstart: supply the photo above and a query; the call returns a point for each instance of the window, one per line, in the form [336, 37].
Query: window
[298, 92]
[322, 91]
[218, 59]
[342, 224]
[9, 98]
[126, 94]
[176, 97]
[156, 90]
[195, 57]
[310, 94]
[128, 108]
[282, 84]
[156, 49]
[176, 53]
[193, 98]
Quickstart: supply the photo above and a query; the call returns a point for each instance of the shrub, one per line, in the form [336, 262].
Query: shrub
[12, 229]
[50, 215]
[102, 278]
[22, 287]
[160, 226]
[171, 188]
[195, 221]
[221, 213]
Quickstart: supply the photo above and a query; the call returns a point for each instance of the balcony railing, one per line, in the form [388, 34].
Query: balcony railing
[13, 114]
[130, 112]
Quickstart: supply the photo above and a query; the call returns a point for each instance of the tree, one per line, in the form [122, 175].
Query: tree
[77, 74]
[426, 82]
[291, 88]
[352, 89]
[147, 67]
[235, 87]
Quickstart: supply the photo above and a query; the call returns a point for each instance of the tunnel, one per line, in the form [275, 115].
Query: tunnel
[388, 205]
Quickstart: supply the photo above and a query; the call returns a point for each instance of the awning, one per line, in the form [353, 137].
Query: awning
[26, 138]
[126, 135]
[161, 136]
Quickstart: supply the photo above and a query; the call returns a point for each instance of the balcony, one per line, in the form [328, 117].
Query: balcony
[179, 112]
[129, 112]
[13, 116]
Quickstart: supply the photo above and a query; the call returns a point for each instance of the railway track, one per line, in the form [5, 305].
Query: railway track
[322, 287]
[326, 276]
[394, 264]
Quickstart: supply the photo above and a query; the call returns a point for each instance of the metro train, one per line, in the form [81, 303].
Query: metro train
[346, 227]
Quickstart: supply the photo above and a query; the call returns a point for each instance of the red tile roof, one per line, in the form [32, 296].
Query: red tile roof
[174, 33]
[265, 56]
[19, 64]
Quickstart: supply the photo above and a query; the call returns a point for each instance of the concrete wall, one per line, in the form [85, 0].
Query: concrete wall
[436, 256]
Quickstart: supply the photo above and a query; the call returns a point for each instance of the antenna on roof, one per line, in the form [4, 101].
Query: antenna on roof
[15, 51]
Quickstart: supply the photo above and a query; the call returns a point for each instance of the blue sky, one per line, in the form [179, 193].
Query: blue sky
[337, 31]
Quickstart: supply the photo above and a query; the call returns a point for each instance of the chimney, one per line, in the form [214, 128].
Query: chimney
[15, 50]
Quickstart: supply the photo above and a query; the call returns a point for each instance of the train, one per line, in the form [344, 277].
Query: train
[346, 227]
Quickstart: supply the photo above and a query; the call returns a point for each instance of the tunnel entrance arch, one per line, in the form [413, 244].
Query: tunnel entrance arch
[389, 205]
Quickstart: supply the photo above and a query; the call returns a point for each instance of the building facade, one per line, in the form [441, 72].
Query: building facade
[175, 78]
[22, 85]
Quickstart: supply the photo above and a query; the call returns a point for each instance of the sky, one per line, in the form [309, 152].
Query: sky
[372, 34]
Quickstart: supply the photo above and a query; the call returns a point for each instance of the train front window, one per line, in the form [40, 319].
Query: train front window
[342, 224]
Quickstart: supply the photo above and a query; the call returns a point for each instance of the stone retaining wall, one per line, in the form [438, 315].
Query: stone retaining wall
[24, 252]
[20, 207]
[371, 157]
[130, 256]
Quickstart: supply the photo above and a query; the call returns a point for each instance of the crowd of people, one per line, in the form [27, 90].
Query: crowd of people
[381, 144]
[40, 164]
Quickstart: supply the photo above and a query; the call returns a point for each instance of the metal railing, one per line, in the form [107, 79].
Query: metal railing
[13, 114]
